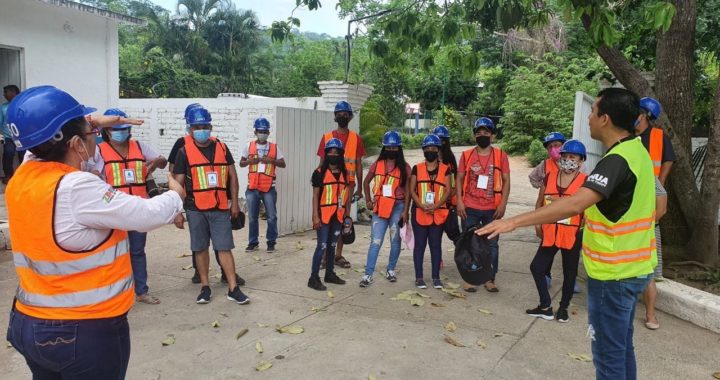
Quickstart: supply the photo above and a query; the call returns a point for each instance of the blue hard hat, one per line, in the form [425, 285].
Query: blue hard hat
[392, 139]
[343, 106]
[442, 132]
[334, 143]
[38, 113]
[553, 136]
[261, 124]
[651, 106]
[117, 112]
[484, 122]
[431, 140]
[574, 147]
[190, 107]
[198, 116]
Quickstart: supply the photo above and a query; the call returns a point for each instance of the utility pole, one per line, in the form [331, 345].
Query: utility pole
[348, 38]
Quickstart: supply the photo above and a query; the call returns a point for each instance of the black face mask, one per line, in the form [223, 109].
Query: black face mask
[483, 141]
[430, 156]
[342, 121]
[391, 154]
[334, 160]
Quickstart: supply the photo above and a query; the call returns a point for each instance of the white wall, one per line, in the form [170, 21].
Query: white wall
[71, 50]
[581, 129]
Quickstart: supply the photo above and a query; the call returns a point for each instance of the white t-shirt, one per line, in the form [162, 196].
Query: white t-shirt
[148, 151]
[262, 151]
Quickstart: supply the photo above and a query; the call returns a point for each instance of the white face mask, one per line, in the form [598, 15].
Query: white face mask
[568, 165]
[262, 137]
[88, 164]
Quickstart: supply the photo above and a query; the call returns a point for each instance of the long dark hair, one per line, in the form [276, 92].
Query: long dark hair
[341, 166]
[448, 157]
[399, 162]
[55, 150]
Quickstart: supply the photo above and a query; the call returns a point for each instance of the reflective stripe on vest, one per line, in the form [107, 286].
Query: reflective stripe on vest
[332, 194]
[209, 179]
[115, 166]
[261, 181]
[350, 152]
[384, 205]
[626, 248]
[655, 148]
[561, 234]
[55, 283]
[496, 177]
[426, 184]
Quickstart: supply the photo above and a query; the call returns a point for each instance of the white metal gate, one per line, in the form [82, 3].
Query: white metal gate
[581, 129]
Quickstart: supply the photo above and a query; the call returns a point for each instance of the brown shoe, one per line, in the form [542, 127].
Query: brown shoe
[490, 287]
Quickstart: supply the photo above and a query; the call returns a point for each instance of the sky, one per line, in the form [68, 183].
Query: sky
[323, 20]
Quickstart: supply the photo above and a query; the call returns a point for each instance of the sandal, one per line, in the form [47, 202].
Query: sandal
[490, 287]
[341, 262]
[148, 299]
[652, 326]
[471, 289]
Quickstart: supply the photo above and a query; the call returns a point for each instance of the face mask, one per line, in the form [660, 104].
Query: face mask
[201, 135]
[262, 137]
[342, 121]
[86, 165]
[391, 154]
[120, 136]
[430, 156]
[568, 165]
[334, 160]
[483, 141]
[554, 153]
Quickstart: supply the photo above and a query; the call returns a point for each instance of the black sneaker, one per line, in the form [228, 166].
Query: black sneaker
[270, 248]
[196, 278]
[391, 276]
[562, 316]
[238, 296]
[366, 281]
[239, 280]
[437, 284]
[204, 296]
[538, 312]
[315, 283]
[332, 278]
[252, 247]
[420, 284]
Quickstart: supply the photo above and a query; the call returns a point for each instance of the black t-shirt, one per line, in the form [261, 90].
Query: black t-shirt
[431, 173]
[614, 180]
[668, 154]
[182, 167]
[318, 177]
[179, 143]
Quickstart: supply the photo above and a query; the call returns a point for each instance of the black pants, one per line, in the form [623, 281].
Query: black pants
[540, 266]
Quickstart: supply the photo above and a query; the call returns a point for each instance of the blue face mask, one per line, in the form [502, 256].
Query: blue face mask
[120, 135]
[201, 135]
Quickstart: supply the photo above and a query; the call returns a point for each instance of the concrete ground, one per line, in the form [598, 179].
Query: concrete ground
[359, 333]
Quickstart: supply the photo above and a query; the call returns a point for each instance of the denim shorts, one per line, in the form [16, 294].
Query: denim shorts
[210, 225]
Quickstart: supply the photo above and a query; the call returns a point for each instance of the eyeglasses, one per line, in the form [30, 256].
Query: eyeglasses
[93, 131]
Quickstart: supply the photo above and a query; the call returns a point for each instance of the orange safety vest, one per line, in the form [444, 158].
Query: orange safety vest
[562, 233]
[425, 185]
[127, 174]
[551, 167]
[384, 205]
[350, 152]
[497, 172]
[55, 283]
[209, 179]
[261, 180]
[333, 196]
[655, 149]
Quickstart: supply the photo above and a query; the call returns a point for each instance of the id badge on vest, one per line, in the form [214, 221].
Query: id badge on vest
[341, 204]
[261, 167]
[212, 179]
[430, 198]
[482, 182]
[387, 191]
[129, 175]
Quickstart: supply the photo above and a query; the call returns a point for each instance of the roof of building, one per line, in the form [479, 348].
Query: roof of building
[119, 17]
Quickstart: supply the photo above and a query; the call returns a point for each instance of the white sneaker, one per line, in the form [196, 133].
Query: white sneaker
[391, 276]
[366, 281]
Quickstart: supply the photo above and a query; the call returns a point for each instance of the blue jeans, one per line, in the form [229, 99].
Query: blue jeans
[138, 260]
[377, 236]
[327, 237]
[474, 217]
[427, 235]
[269, 199]
[611, 310]
[8, 157]
[72, 349]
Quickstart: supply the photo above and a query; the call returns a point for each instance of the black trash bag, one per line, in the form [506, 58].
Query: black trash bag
[472, 257]
[239, 222]
[348, 231]
[451, 226]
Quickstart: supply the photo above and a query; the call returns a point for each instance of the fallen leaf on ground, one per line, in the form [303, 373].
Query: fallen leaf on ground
[415, 301]
[341, 273]
[186, 267]
[452, 285]
[169, 340]
[215, 324]
[280, 357]
[372, 377]
[481, 344]
[716, 375]
[581, 357]
[183, 255]
[8, 345]
[413, 296]
[263, 365]
[330, 294]
[454, 342]
[499, 334]
[262, 325]
[359, 270]
[256, 258]
[258, 347]
[299, 246]
[225, 315]
[454, 293]
[316, 309]
[488, 312]
[437, 304]
[451, 326]
[294, 329]
[241, 333]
